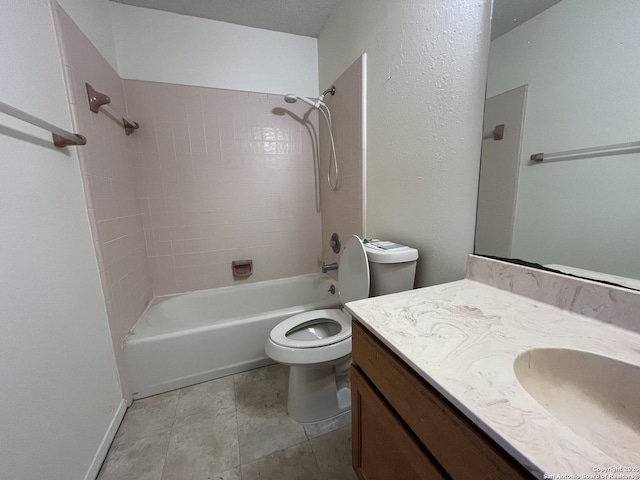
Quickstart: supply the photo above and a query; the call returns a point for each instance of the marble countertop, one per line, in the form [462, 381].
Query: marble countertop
[463, 337]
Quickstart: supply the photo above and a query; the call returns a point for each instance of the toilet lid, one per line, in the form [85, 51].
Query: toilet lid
[353, 273]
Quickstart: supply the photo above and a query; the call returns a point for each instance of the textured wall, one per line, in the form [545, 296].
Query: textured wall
[426, 70]
[222, 176]
[60, 388]
[166, 47]
[108, 174]
[581, 63]
[342, 209]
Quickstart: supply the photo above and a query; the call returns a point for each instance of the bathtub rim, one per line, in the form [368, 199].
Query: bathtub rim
[132, 338]
[165, 333]
[247, 284]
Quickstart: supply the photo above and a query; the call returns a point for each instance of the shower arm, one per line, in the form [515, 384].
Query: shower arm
[331, 90]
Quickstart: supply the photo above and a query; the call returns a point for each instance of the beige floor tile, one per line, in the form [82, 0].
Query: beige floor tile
[264, 425]
[326, 426]
[142, 459]
[293, 463]
[204, 401]
[333, 452]
[266, 432]
[202, 450]
[262, 387]
[148, 416]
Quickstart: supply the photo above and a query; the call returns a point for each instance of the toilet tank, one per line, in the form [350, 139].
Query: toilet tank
[392, 267]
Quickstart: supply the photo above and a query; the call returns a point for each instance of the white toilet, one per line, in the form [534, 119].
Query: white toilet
[317, 344]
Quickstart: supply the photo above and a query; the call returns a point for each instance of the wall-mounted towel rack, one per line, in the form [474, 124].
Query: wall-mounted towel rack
[97, 100]
[614, 149]
[497, 133]
[61, 137]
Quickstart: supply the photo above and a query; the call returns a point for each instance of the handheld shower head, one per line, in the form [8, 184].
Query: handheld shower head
[318, 103]
[293, 98]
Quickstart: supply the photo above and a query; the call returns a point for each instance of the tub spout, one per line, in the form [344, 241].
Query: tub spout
[329, 266]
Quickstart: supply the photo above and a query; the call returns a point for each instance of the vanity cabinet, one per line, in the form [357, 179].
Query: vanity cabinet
[405, 429]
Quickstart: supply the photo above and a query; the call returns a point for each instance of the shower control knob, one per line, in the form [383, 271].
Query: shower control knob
[334, 243]
[332, 290]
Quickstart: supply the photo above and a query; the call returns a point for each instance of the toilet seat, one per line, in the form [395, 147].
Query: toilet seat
[353, 284]
[353, 281]
[279, 333]
[313, 357]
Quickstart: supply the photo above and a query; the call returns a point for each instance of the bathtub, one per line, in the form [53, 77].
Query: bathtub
[195, 337]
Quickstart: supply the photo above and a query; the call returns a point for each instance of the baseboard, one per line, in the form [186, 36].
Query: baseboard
[101, 454]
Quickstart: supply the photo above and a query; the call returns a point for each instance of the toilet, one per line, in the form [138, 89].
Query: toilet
[317, 344]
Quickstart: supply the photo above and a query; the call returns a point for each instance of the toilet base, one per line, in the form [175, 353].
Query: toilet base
[317, 393]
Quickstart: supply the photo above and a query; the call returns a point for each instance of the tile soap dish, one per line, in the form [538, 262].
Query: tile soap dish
[242, 268]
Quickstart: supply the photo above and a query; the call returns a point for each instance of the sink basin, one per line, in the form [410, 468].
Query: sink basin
[597, 397]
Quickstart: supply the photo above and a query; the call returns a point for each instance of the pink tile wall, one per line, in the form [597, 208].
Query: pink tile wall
[342, 209]
[222, 176]
[108, 174]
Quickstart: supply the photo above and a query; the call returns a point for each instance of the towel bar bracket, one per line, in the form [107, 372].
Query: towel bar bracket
[97, 100]
[60, 141]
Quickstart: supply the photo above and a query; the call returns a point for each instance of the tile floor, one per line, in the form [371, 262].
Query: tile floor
[232, 428]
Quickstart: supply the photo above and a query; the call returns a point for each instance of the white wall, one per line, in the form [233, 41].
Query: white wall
[166, 47]
[60, 388]
[426, 80]
[580, 59]
[92, 16]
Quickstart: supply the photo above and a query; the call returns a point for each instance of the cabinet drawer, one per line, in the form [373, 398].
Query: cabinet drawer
[462, 450]
[382, 448]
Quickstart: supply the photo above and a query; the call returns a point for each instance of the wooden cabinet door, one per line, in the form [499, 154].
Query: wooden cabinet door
[454, 443]
[382, 448]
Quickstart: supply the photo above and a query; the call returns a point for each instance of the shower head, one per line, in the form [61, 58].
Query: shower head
[293, 98]
[318, 103]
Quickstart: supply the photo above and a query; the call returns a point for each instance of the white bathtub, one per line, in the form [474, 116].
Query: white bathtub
[198, 336]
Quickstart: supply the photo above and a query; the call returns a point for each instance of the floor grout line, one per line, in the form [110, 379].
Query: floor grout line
[315, 455]
[278, 451]
[173, 422]
[235, 403]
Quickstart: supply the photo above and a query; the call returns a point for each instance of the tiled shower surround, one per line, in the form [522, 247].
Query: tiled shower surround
[342, 209]
[210, 177]
[222, 176]
[108, 176]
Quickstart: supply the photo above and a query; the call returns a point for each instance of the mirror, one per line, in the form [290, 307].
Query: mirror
[565, 79]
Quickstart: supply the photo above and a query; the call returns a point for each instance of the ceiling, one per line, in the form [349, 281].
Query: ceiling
[299, 17]
[307, 17]
[508, 14]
